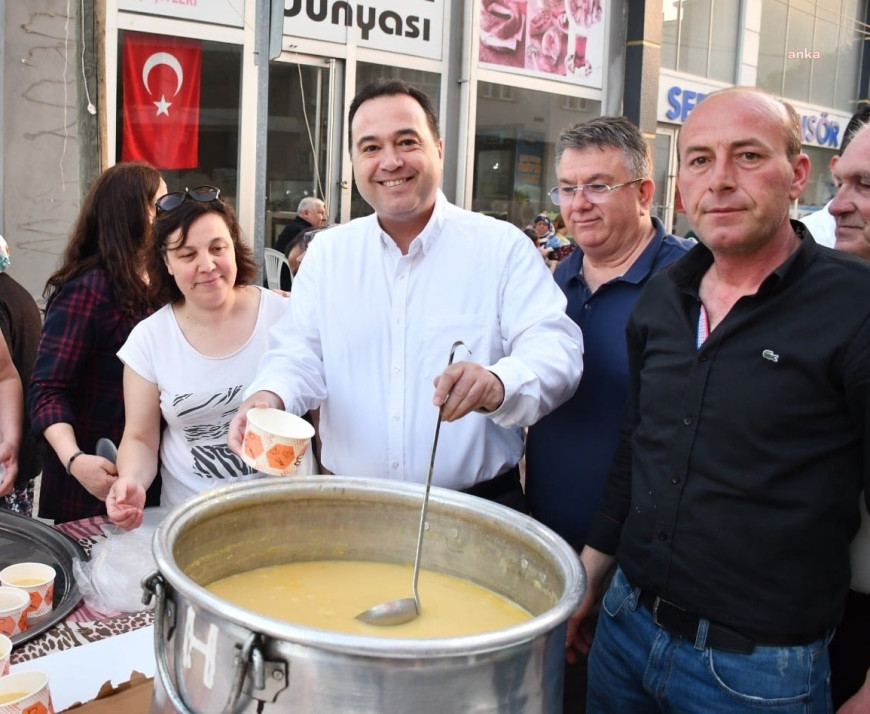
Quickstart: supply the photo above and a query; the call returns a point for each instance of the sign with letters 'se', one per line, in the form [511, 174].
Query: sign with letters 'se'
[412, 27]
[217, 12]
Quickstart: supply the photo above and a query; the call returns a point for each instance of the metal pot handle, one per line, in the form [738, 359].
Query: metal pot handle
[153, 585]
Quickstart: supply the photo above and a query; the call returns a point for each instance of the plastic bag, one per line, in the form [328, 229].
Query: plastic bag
[111, 580]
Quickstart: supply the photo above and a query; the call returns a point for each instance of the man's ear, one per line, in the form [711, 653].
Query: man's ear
[647, 193]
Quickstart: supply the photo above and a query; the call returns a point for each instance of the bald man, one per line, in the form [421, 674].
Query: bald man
[734, 491]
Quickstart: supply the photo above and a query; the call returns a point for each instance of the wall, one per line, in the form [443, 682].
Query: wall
[41, 185]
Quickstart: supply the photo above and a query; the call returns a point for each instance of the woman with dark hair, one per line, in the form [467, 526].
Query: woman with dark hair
[92, 302]
[188, 364]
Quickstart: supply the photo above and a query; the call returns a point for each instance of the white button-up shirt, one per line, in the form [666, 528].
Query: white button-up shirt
[368, 329]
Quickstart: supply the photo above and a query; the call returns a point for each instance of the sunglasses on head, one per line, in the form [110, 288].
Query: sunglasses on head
[171, 201]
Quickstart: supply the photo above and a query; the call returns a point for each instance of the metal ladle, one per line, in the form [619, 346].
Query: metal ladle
[397, 612]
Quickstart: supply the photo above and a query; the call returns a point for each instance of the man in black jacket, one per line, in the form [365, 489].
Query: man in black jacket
[311, 213]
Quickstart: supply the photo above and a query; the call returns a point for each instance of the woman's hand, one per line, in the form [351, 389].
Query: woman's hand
[125, 504]
[95, 474]
[9, 461]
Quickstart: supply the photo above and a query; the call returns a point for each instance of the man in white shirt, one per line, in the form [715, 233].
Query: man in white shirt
[850, 648]
[822, 223]
[379, 301]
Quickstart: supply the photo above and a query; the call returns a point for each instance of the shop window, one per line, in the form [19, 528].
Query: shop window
[491, 90]
[820, 186]
[575, 104]
[427, 82]
[700, 37]
[214, 118]
[810, 51]
[515, 149]
[296, 144]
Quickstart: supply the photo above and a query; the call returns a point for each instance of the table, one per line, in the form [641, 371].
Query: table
[84, 624]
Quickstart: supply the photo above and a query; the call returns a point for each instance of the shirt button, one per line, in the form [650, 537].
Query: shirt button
[397, 369]
[395, 464]
[675, 479]
[395, 417]
[703, 358]
[402, 276]
[687, 421]
[587, 306]
[663, 535]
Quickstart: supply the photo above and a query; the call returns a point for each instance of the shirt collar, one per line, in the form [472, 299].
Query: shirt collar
[688, 270]
[639, 271]
[430, 231]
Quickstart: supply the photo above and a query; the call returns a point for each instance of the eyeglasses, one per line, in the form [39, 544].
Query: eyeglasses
[593, 192]
[171, 201]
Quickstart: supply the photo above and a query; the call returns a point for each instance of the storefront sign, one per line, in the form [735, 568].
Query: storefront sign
[411, 27]
[821, 129]
[680, 102]
[544, 38]
[677, 100]
[216, 12]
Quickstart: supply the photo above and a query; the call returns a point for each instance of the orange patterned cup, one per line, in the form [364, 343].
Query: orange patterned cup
[13, 610]
[275, 441]
[5, 655]
[25, 693]
[37, 579]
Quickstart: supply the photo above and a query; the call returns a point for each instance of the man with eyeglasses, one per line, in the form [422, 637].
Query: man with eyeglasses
[733, 494]
[604, 195]
[379, 301]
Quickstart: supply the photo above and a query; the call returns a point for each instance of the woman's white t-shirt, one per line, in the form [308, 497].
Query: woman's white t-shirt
[199, 396]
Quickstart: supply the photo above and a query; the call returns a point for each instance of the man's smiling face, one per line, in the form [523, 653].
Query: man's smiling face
[397, 162]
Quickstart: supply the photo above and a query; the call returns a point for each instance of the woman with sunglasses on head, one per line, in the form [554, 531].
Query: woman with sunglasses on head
[190, 362]
[92, 302]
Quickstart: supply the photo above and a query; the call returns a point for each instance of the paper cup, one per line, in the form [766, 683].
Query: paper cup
[37, 579]
[5, 655]
[25, 693]
[13, 610]
[275, 441]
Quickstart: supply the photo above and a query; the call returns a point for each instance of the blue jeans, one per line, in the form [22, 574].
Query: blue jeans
[636, 667]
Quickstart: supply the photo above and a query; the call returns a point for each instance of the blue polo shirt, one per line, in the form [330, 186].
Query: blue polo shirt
[569, 451]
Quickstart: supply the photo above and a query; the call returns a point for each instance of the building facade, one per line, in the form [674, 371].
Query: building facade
[252, 95]
[810, 52]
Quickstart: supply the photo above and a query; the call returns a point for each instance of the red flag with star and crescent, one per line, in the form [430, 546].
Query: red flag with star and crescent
[161, 80]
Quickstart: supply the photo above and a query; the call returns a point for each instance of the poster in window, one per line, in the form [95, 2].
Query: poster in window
[529, 170]
[556, 39]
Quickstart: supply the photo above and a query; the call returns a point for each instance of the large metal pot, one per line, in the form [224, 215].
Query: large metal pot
[216, 657]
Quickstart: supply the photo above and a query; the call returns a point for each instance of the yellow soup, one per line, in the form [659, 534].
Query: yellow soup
[9, 697]
[329, 594]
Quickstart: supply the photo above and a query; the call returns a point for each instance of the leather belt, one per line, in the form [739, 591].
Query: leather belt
[497, 486]
[682, 623]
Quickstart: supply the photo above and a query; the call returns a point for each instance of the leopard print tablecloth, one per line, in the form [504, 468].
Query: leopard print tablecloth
[84, 624]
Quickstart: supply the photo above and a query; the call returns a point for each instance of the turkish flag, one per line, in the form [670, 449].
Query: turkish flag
[161, 79]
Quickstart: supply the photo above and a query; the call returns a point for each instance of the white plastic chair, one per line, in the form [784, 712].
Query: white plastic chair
[274, 260]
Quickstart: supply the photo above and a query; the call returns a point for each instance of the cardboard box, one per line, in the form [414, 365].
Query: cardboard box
[108, 674]
[130, 697]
